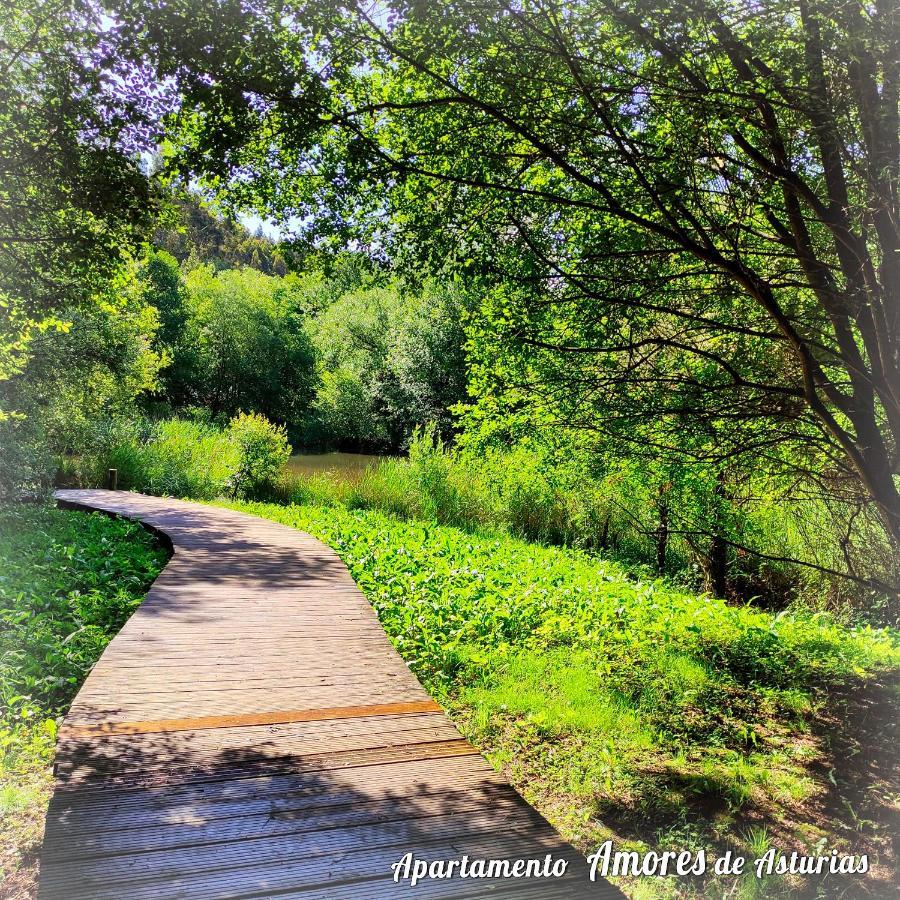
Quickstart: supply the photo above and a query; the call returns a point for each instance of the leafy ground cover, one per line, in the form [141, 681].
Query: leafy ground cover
[68, 582]
[634, 710]
[533, 492]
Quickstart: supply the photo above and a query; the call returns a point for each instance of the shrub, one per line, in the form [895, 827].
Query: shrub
[27, 465]
[177, 458]
[262, 450]
[182, 458]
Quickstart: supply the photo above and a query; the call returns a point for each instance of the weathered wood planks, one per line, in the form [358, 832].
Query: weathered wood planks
[251, 732]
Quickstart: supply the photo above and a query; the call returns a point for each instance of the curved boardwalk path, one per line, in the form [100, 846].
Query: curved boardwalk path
[251, 732]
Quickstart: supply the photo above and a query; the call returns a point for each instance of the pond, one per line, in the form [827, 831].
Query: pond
[347, 465]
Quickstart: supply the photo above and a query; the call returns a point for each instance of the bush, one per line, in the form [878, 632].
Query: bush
[262, 449]
[181, 458]
[177, 458]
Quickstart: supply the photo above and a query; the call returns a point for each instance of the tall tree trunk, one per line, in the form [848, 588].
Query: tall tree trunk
[717, 567]
[717, 555]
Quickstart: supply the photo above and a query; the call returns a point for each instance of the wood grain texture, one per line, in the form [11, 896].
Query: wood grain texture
[267, 718]
[251, 732]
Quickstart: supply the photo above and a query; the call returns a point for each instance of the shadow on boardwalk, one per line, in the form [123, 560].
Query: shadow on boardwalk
[168, 784]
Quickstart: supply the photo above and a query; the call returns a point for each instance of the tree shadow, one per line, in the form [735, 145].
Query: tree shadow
[162, 815]
[298, 808]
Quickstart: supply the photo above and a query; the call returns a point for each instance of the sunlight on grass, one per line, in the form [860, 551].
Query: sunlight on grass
[618, 707]
[557, 694]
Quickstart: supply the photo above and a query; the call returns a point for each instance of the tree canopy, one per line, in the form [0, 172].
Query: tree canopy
[73, 199]
[676, 227]
[687, 215]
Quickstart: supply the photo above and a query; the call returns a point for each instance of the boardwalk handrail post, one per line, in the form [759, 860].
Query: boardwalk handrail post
[112, 479]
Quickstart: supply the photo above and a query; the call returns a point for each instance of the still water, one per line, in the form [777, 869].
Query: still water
[347, 464]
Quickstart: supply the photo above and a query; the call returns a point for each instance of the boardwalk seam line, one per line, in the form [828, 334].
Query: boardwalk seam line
[163, 726]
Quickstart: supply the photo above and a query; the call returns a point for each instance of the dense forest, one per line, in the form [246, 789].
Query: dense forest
[618, 280]
[695, 322]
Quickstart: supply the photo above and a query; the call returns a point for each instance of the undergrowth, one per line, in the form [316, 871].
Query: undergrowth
[620, 708]
[68, 582]
[529, 493]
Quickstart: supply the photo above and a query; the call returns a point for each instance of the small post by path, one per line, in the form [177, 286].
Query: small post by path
[112, 479]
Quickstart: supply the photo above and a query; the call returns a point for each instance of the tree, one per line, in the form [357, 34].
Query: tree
[73, 201]
[690, 210]
[81, 385]
[244, 346]
[190, 227]
[390, 359]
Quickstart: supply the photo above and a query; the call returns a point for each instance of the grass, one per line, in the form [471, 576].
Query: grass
[529, 493]
[68, 582]
[539, 494]
[625, 708]
[621, 708]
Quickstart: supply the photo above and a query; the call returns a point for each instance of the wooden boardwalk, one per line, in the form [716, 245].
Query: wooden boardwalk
[251, 732]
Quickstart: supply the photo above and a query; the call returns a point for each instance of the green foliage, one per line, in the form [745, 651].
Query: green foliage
[176, 458]
[243, 345]
[73, 202]
[27, 461]
[85, 377]
[516, 492]
[68, 582]
[561, 495]
[163, 289]
[80, 385]
[189, 229]
[197, 459]
[390, 359]
[262, 450]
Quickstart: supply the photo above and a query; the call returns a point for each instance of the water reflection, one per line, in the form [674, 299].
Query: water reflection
[348, 465]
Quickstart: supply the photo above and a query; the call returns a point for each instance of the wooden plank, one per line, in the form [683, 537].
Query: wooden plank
[233, 765]
[246, 820]
[240, 867]
[249, 841]
[173, 757]
[262, 718]
[206, 801]
[251, 732]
